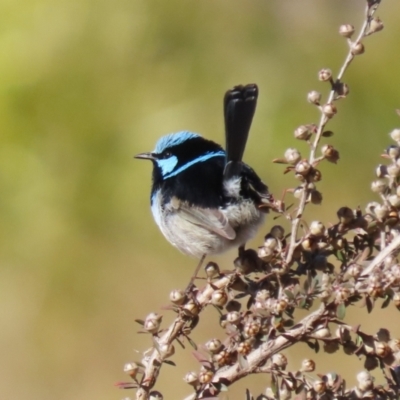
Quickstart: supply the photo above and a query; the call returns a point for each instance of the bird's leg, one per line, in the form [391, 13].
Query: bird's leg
[196, 271]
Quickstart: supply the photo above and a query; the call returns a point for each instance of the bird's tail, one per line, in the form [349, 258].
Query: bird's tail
[239, 107]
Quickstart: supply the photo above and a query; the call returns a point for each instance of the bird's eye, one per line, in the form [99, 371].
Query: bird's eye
[167, 154]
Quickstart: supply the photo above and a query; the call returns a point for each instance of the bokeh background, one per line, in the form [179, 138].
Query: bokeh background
[85, 85]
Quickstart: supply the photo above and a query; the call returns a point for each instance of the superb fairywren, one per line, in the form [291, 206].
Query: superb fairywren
[206, 200]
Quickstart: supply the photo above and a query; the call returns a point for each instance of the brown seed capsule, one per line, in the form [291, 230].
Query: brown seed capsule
[307, 365]
[325, 74]
[177, 296]
[155, 395]
[354, 270]
[393, 170]
[252, 327]
[357, 48]
[191, 308]
[329, 110]
[270, 242]
[222, 358]
[314, 97]
[245, 347]
[346, 30]
[205, 376]
[342, 89]
[381, 211]
[292, 156]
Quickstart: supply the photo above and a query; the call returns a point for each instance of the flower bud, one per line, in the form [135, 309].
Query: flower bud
[251, 327]
[302, 132]
[381, 171]
[357, 48]
[191, 308]
[381, 211]
[213, 345]
[307, 365]
[317, 228]
[233, 317]
[279, 360]
[191, 378]
[354, 270]
[205, 376]
[314, 97]
[393, 170]
[245, 347]
[319, 386]
[265, 253]
[346, 30]
[322, 333]
[277, 231]
[219, 298]
[303, 167]
[375, 25]
[212, 270]
[325, 74]
[292, 156]
[394, 200]
[330, 153]
[379, 186]
[329, 110]
[131, 369]
[393, 152]
[395, 135]
[345, 215]
[152, 323]
[365, 381]
[177, 296]
[270, 242]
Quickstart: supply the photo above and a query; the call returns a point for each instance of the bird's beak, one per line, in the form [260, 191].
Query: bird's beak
[145, 156]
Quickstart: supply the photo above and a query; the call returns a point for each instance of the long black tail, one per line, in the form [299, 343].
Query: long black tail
[239, 107]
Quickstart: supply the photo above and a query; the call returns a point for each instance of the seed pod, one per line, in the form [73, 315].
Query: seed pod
[317, 228]
[345, 215]
[365, 381]
[252, 327]
[222, 358]
[177, 296]
[379, 186]
[303, 167]
[330, 153]
[191, 378]
[219, 298]
[233, 317]
[213, 345]
[166, 350]
[131, 369]
[325, 74]
[314, 97]
[346, 30]
[375, 25]
[292, 156]
[205, 376]
[191, 308]
[152, 323]
[307, 365]
[395, 135]
[329, 110]
[212, 270]
[302, 132]
[279, 360]
[319, 386]
[245, 347]
[357, 48]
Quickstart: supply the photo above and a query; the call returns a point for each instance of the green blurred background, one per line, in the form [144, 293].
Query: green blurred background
[85, 85]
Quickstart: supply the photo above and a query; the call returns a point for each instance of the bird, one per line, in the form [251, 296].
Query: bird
[205, 199]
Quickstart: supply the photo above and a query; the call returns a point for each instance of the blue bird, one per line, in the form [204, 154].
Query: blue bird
[206, 200]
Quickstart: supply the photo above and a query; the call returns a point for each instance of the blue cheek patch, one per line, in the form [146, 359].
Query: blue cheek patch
[170, 173]
[167, 165]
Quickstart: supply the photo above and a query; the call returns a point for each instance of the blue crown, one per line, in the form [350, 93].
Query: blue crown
[173, 139]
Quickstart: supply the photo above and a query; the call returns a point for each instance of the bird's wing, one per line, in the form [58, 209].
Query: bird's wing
[211, 219]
